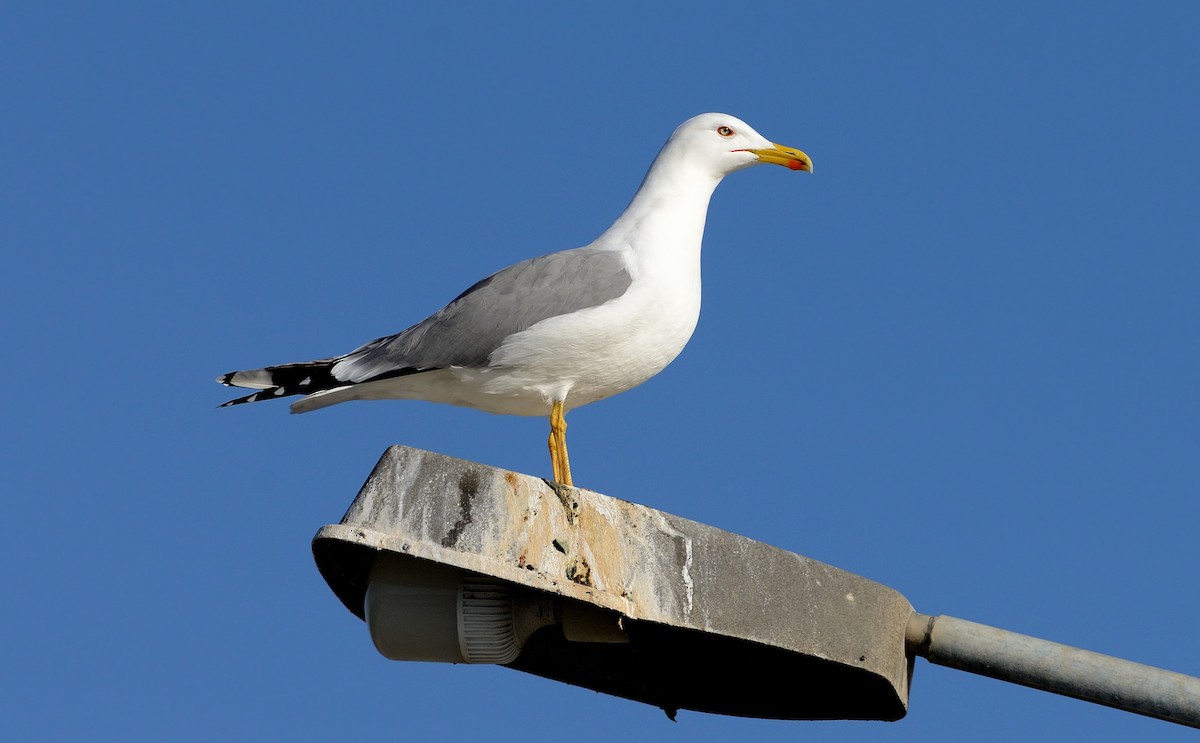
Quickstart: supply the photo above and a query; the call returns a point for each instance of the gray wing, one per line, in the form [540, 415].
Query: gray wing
[466, 331]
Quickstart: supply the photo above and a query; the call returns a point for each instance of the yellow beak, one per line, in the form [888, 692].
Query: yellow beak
[789, 157]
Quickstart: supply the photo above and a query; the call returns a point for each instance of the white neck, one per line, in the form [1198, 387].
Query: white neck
[669, 207]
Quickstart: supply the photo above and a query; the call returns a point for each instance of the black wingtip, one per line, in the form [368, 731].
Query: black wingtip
[267, 394]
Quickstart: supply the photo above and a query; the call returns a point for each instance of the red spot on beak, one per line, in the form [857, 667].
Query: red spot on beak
[796, 165]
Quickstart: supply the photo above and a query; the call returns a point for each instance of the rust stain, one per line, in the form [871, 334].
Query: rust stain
[574, 546]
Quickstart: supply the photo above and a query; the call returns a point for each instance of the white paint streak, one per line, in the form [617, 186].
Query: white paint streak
[686, 574]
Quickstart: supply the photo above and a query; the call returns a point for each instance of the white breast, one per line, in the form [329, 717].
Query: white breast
[599, 352]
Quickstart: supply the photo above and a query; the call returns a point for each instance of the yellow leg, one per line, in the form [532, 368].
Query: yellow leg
[558, 445]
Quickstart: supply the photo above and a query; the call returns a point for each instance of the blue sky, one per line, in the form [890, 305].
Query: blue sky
[960, 359]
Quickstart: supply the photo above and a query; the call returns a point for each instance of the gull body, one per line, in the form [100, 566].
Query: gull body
[564, 329]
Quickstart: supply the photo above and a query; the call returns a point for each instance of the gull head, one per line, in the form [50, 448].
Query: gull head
[722, 144]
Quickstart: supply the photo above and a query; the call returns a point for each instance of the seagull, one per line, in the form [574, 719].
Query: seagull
[553, 333]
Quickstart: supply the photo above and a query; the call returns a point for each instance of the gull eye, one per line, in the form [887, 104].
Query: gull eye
[724, 131]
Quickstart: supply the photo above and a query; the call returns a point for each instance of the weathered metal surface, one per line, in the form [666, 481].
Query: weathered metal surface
[834, 641]
[1062, 669]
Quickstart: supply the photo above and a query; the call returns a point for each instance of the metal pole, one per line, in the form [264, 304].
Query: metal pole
[1061, 669]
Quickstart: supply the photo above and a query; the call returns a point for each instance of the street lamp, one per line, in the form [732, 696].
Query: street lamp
[453, 561]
